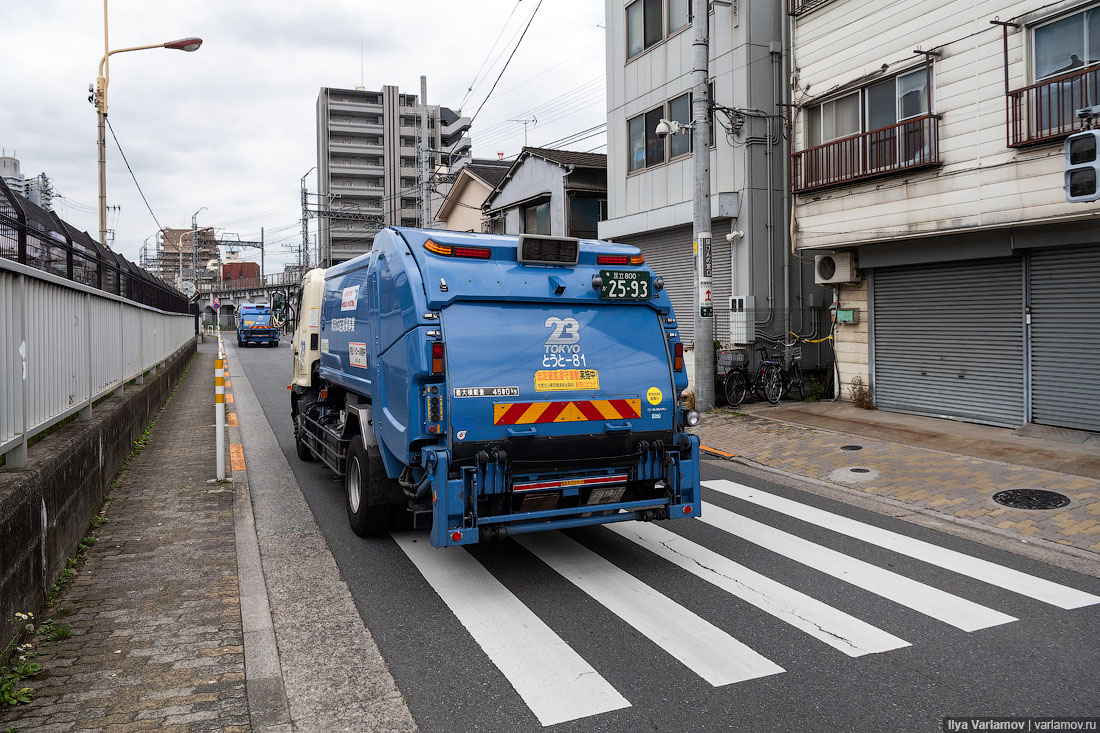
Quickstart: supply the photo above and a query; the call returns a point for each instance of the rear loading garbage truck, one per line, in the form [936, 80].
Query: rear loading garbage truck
[255, 325]
[484, 386]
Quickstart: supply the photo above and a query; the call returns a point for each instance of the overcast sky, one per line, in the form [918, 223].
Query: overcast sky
[232, 126]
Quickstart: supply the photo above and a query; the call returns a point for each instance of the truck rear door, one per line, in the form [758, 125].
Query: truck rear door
[538, 369]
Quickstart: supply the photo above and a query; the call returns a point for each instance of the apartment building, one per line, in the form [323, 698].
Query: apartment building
[927, 155]
[367, 163]
[649, 178]
[177, 249]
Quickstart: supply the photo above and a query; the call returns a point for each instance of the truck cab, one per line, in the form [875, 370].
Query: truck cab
[486, 385]
[255, 325]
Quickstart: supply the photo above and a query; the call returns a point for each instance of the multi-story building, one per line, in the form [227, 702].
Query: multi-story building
[927, 154]
[173, 244]
[39, 190]
[650, 178]
[367, 163]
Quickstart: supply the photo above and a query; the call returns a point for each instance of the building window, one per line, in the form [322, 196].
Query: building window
[679, 110]
[647, 21]
[648, 150]
[883, 127]
[1067, 44]
[536, 218]
[583, 214]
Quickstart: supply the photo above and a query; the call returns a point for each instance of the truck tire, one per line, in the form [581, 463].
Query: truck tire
[300, 446]
[364, 470]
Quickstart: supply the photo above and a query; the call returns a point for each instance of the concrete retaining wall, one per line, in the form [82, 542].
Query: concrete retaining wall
[46, 508]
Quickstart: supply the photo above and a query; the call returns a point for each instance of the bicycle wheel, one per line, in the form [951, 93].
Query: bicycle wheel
[734, 387]
[795, 383]
[772, 382]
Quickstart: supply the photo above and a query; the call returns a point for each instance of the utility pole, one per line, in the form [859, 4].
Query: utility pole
[422, 168]
[261, 255]
[704, 308]
[303, 251]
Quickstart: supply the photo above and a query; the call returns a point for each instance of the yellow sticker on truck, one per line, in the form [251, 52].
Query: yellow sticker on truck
[549, 380]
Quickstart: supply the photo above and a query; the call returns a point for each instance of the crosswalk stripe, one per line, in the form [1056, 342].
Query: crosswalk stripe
[821, 621]
[1014, 580]
[938, 604]
[701, 646]
[552, 679]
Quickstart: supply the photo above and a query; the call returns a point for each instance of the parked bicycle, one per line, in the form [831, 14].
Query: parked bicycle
[791, 369]
[766, 381]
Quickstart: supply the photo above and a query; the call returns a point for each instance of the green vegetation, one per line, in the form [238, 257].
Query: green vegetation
[16, 664]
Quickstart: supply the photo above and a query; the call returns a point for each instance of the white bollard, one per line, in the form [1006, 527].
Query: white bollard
[219, 409]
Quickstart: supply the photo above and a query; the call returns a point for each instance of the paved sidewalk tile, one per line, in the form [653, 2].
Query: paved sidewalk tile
[955, 485]
[155, 611]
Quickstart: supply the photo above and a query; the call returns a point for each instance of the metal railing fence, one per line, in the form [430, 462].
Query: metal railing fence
[221, 284]
[38, 238]
[64, 345]
[1047, 110]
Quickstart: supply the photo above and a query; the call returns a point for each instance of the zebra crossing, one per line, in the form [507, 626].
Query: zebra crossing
[557, 684]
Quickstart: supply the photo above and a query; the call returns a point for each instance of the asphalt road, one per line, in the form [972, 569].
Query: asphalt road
[839, 635]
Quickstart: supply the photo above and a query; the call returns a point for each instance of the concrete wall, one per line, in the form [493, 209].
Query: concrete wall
[45, 508]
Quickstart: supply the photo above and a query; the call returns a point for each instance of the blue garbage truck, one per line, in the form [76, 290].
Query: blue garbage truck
[484, 386]
[256, 325]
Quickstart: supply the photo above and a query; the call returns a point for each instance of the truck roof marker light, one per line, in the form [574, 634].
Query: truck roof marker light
[439, 249]
[456, 536]
[437, 358]
[678, 356]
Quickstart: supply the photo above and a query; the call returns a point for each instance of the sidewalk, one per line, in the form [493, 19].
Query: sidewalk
[938, 467]
[154, 609]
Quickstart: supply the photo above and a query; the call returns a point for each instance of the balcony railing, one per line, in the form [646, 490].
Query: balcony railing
[797, 7]
[1047, 110]
[906, 146]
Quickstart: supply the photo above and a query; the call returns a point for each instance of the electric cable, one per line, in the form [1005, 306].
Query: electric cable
[115, 137]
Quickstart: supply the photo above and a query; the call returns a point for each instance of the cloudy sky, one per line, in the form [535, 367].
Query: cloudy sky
[232, 126]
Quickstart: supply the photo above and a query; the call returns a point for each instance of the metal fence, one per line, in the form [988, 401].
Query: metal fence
[38, 238]
[1047, 110]
[64, 345]
[771, 328]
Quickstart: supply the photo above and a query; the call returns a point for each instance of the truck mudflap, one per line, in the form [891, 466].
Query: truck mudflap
[484, 499]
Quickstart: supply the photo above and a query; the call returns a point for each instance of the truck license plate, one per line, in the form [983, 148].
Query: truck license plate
[624, 285]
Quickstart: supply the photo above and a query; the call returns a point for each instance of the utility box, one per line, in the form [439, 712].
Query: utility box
[847, 315]
[742, 319]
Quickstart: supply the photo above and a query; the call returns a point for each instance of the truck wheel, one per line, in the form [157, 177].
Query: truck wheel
[364, 469]
[300, 446]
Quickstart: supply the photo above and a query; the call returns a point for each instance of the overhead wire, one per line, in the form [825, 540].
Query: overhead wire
[475, 83]
[150, 208]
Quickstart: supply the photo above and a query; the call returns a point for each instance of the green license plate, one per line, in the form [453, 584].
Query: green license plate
[624, 285]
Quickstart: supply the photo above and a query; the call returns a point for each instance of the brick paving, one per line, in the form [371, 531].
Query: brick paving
[156, 640]
[955, 485]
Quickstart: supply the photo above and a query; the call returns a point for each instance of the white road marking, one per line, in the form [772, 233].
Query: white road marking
[989, 572]
[821, 621]
[552, 679]
[938, 604]
[708, 651]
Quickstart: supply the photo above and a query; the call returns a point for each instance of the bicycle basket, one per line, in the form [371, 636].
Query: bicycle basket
[792, 354]
[728, 358]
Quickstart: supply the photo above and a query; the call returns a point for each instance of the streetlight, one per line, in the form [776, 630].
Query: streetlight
[99, 98]
[179, 249]
[194, 244]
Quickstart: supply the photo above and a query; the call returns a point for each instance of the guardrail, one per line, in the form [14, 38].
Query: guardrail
[64, 345]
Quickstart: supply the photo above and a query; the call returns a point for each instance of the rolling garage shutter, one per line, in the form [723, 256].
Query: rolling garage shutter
[949, 340]
[1065, 351]
[669, 254]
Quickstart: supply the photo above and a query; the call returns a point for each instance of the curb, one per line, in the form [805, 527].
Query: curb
[268, 707]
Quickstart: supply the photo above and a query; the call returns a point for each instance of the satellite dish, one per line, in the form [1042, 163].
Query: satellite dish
[187, 288]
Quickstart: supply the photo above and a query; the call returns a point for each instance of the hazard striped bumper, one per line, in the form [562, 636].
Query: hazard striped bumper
[531, 413]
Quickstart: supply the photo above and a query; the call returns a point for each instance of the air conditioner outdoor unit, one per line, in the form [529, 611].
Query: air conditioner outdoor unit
[835, 268]
[742, 319]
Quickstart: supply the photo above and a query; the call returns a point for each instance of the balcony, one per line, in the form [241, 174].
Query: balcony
[1047, 111]
[907, 146]
[798, 7]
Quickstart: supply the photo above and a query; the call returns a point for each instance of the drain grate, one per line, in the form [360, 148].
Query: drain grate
[851, 447]
[1031, 499]
[860, 470]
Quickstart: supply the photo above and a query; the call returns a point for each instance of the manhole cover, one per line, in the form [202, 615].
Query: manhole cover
[861, 470]
[1031, 499]
[851, 447]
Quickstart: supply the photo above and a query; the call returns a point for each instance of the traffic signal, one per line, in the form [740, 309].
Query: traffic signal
[1082, 167]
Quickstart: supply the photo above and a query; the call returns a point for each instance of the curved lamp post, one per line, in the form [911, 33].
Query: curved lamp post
[99, 99]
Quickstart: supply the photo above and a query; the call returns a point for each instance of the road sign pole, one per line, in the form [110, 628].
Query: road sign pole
[219, 407]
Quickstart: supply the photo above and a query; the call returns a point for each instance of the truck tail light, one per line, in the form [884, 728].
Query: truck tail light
[678, 357]
[620, 259]
[477, 253]
[437, 358]
[637, 260]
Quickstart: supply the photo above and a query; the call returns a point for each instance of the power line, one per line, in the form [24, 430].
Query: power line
[159, 227]
[506, 63]
[474, 83]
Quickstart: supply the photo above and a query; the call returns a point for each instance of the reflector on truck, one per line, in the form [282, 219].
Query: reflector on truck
[531, 413]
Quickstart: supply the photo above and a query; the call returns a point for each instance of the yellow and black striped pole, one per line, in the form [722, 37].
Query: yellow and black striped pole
[219, 409]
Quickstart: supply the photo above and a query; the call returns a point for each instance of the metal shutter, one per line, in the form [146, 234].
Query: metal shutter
[669, 253]
[1065, 352]
[949, 340]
